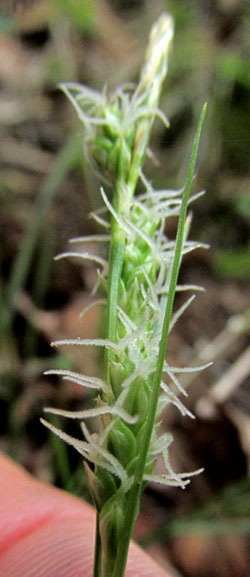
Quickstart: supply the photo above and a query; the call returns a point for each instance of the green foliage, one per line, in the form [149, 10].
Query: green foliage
[242, 204]
[82, 14]
[65, 161]
[232, 263]
[225, 513]
[234, 68]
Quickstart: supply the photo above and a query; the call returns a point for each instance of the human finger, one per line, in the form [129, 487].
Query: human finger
[45, 532]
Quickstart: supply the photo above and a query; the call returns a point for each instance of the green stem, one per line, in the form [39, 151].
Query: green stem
[97, 558]
[116, 262]
[135, 492]
[117, 248]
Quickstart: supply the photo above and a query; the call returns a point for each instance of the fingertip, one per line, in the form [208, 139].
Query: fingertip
[29, 504]
[46, 532]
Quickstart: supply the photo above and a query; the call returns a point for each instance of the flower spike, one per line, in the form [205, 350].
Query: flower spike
[138, 283]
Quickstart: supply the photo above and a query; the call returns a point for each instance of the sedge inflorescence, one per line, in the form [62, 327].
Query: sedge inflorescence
[135, 282]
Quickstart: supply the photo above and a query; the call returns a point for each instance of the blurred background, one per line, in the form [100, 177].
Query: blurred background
[46, 193]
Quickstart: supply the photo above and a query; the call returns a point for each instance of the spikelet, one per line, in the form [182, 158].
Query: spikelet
[137, 280]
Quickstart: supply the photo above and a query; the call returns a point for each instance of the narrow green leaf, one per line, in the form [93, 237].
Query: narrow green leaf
[134, 494]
